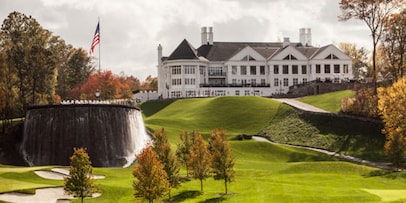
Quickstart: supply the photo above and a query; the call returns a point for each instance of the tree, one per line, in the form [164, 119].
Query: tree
[183, 148]
[394, 44]
[359, 58]
[30, 58]
[80, 182]
[391, 106]
[199, 160]
[167, 158]
[151, 181]
[373, 13]
[222, 159]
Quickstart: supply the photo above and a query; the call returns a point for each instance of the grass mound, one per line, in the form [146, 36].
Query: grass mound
[234, 114]
[330, 101]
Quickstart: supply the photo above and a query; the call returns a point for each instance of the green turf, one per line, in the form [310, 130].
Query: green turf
[330, 101]
[264, 172]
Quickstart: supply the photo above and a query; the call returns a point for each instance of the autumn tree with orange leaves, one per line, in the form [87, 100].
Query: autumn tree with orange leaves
[150, 177]
[199, 160]
[222, 159]
[110, 86]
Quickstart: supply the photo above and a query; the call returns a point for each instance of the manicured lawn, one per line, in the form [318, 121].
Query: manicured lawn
[264, 172]
[330, 101]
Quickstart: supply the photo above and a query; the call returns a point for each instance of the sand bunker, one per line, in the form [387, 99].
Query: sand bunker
[46, 195]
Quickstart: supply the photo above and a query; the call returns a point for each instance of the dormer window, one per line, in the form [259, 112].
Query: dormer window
[290, 57]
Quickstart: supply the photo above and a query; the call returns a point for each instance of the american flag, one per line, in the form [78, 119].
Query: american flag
[96, 39]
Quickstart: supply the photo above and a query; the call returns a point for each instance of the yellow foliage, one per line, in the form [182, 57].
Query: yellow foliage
[391, 105]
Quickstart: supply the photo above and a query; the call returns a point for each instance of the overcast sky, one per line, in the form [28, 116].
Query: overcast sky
[132, 29]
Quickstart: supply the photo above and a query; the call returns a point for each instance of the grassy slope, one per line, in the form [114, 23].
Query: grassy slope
[264, 172]
[353, 137]
[330, 101]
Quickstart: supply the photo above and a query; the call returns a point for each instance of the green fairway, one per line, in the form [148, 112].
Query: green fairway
[330, 101]
[265, 172]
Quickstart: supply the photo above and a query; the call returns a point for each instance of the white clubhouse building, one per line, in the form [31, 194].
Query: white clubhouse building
[248, 68]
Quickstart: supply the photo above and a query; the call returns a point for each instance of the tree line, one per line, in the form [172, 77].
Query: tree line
[386, 20]
[38, 67]
[157, 168]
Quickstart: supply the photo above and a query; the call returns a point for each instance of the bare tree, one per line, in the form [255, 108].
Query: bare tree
[373, 13]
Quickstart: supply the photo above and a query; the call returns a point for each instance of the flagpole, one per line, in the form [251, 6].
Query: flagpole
[99, 44]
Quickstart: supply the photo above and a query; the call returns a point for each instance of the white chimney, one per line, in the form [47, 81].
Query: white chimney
[305, 36]
[286, 41]
[210, 35]
[159, 55]
[309, 37]
[204, 35]
[302, 36]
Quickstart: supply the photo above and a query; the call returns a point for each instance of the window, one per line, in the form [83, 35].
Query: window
[345, 68]
[248, 58]
[216, 71]
[244, 82]
[295, 81]
[253, 82]
[176, 70]
[190, 93]
[263, 82]
[177, 81]
[318, 68]
[295, 69]
[290, 57]
[237, 92]
[190, 81]
[276, 82]
[336, 80]
[275, 69]
[285, 82]
[175, 94]
[304, 69]
[304, 80]
[246, 92]
[202, 68]
[243, 70]
[234, 81]
[336, 68]
[285, 69]
[253, 70]
[190, 69]
[262, 70]
[326, 68]
[234, 70]
[331, 56]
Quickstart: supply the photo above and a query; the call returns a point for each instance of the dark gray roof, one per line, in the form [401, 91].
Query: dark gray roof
[223, 51]
[184, 51]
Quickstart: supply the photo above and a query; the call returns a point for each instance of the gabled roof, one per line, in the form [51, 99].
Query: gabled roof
[222, 51]
[307, 51]
[184, 51]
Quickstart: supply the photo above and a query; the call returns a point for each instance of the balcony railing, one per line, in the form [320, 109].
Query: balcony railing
[235, 85]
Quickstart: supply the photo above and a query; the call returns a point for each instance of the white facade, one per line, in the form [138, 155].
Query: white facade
[238, 68]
